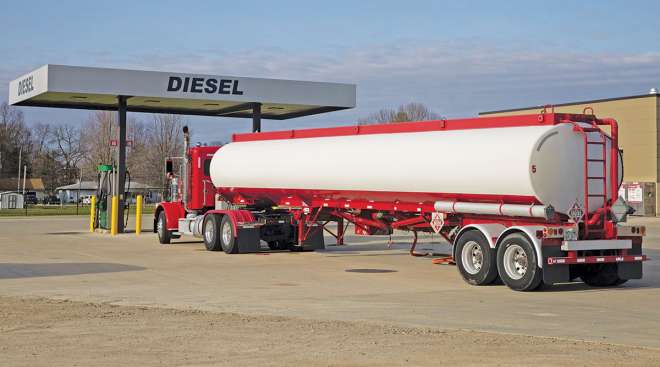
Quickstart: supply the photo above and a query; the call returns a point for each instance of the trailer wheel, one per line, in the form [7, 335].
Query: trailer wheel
[517, 263]
[164, 235]
[211, 229]
[475, 259]
[228, 236]
[601, 275]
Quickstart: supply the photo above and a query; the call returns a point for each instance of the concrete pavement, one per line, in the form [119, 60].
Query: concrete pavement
[54, 257]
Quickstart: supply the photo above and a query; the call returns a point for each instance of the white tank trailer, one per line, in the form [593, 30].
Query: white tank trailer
[543, 162]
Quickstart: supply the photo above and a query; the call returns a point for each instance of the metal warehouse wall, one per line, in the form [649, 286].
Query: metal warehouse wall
[638, 133]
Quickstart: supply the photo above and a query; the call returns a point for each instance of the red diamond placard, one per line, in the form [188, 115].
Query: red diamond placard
[437, 221]
[576, 212]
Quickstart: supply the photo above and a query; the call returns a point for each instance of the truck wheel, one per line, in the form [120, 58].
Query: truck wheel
[278, 245]
[227, 236]
[164, 235]
[517, 263]
[601, 275]
[211, 229]
[475, 259]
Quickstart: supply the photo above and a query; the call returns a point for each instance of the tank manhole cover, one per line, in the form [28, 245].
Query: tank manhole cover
[371, 271]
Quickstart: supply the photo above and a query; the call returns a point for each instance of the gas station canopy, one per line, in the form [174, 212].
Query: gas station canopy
[125, 91]
[179, 93]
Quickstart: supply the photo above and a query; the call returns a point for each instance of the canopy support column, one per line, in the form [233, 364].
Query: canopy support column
[121, 161]
[256, 117]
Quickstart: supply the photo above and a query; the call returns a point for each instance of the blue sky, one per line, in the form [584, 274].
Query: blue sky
[458, 57]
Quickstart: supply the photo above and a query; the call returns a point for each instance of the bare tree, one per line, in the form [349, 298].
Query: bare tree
[15, 139]
[40, 137]
[69, 148]
[44, 162]
[165, 141]
[407, 112]
[136, 157]
[98, 134]
[151, 143]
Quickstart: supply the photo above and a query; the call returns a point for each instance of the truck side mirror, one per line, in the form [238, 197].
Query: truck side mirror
[169, 167]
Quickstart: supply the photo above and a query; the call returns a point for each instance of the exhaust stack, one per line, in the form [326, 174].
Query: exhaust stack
[184, 176]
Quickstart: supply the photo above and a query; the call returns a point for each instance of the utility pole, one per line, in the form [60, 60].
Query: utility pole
[24, 177]
[18, 179]
[79, 187]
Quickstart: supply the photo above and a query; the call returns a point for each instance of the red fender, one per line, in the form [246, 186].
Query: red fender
[173, 211]
[236, 217]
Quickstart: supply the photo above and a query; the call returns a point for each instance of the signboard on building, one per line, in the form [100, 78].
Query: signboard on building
[635, 192]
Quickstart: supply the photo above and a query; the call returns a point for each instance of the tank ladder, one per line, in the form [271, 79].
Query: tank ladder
[601, 176]
[590, 228]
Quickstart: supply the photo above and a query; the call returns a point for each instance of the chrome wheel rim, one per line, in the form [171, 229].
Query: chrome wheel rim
[226, 233]
[208, 232]
[159, 227]
[515, 262]
[473, 257]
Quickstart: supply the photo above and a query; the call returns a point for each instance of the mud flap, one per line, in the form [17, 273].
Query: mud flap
[248, 240]
[554, 273]
[631, 270]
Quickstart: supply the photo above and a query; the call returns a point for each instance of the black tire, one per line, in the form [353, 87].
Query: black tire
[164, 235]
[212, 236]
[228, 244]
[573, 272]
[601, 275]
[524, 273]
[278, 245]
[477, 265]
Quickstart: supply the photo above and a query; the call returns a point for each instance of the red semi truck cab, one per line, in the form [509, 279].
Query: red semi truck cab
[201, 193]
[190, 192]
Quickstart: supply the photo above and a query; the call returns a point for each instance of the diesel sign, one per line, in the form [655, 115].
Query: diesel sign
[25, 86]
[203, 85]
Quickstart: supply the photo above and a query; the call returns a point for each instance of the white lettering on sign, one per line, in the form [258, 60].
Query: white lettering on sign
[26, 85]
[203, 85]
[576, 212]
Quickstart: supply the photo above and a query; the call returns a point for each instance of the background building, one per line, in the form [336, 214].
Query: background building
[639, 124]
[35, 185]
[11, 200]
[83, 190]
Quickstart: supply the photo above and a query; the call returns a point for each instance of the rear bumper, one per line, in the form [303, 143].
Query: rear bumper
[595, 259]
[562, 261]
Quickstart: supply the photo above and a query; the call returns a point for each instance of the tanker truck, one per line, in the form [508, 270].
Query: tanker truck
[527, 200]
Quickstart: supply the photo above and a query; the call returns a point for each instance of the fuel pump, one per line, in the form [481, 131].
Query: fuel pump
[104, 196]
[105, 190]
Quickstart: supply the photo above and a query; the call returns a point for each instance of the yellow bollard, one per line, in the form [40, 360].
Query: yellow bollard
[92, 213]
[115, 214]
[138, 215]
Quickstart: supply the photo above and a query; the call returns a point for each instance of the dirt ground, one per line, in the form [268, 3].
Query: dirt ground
[43, 332]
